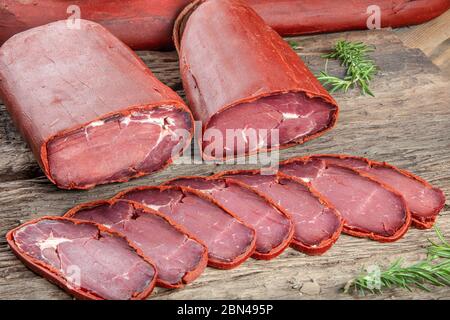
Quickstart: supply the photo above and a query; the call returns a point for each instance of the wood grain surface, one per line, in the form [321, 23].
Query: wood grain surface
[406, 124]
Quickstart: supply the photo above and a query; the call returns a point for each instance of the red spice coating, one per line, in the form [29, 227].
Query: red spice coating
[147, 24]
[295, 17]
[141, 24]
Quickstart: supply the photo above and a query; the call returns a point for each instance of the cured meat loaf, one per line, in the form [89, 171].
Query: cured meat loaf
[178, 257]
[370, 208]
[251, 92]
[294, 17]
[229, 241]
[317, 225]
[274, 229]
[141, 24]
[86, 260]
[424, 201]
[147, 24]
[89, 108]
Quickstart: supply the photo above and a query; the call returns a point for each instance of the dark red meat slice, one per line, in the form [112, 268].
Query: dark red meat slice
[90, 109]
[317, 225]
[86, 260]
[177, 256]
[252, 93]
[292, 115]
[424, 201]
[273, 227]
[369, 208]
[229, 241]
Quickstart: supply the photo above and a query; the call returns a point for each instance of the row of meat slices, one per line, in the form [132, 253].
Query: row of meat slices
[166, 235]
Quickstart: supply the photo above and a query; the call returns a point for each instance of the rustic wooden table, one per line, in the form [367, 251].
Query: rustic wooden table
[407, 124]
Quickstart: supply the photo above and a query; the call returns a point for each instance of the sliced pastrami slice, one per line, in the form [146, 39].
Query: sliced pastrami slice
[274, 229]
[118, 146]
[293, 116]
[317, 225]
[369, 208]
[229, 241]
[178, 257]
[424, 201]
[86, 260]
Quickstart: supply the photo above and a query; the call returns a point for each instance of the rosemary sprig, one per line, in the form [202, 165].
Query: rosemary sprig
[294, 44]
[360, 68]
[418, 275]
[335, 83]
[434, 271]
[439, 250]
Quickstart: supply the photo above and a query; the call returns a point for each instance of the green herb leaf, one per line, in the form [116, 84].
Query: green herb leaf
[439, 249]
[360, 68]
[294, 44]
[434, 271]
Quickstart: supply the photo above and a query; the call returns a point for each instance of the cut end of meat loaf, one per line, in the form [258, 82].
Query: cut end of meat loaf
[118, 147]
[270, 122]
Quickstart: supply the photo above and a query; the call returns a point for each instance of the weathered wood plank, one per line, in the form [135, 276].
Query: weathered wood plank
[407, 124]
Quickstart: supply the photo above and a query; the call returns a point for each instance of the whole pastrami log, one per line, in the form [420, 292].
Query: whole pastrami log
[294, 17]
[369, 208]
[317, 224]
[424, 201]
[85, 259]
[229, 241]
[147, 24]
[251, 91]
[89, 108]
[178, 257]
[141, 24]
[274, 228]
